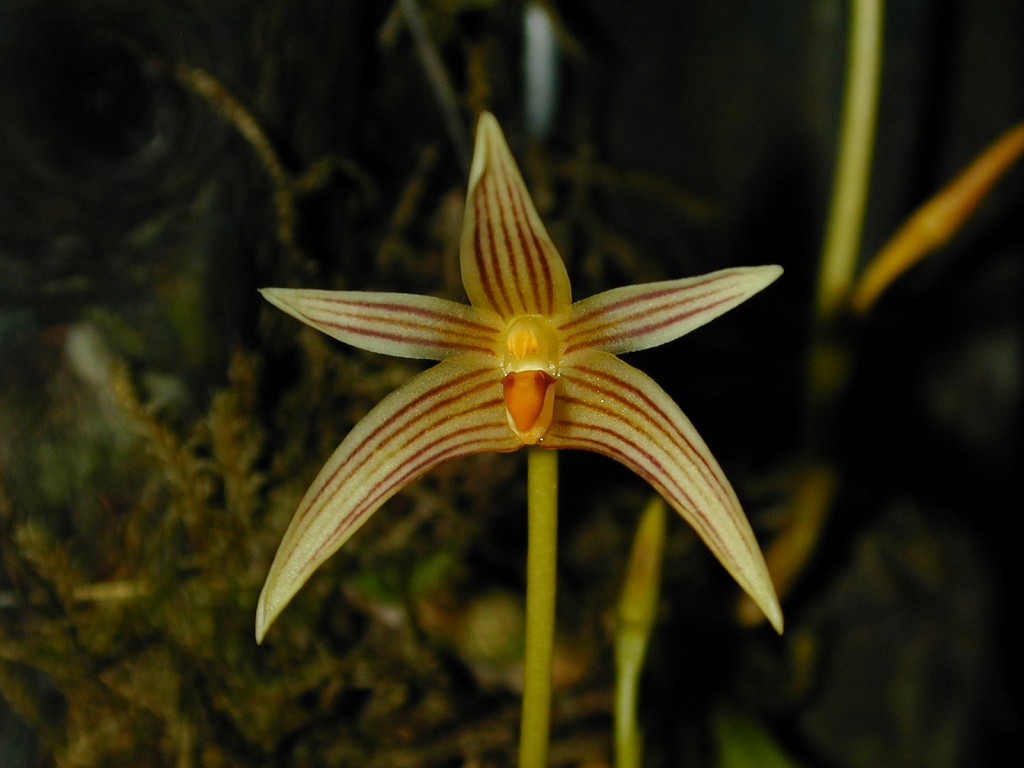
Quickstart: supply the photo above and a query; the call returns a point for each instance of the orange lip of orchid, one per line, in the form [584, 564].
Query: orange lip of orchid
[521, 364]
[530, 403]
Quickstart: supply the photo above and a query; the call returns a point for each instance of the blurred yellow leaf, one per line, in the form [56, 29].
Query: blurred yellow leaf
[938, 219]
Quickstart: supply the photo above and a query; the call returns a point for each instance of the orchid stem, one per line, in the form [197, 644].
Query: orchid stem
[636, 614]
[830, 354]
[541, 556]
[829, 358]
[629, 662]
[853, 167]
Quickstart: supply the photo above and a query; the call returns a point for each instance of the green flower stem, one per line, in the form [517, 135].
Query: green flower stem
[541, 556]
[830, 355]
[853, 169]
[829, 358]
[637, 612]
[630, 649]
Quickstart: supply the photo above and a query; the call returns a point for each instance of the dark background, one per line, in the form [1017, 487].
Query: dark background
[136, 225]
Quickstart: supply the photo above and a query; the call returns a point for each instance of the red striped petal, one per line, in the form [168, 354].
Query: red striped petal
[454, 409]
[399, 324]
[509, 264]
[609, 407]
[642, 316]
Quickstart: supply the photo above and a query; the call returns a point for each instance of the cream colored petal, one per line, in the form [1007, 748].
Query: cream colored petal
[399, 324]
[643, 316]
[509, 264]
[454, 409]
[606, 406]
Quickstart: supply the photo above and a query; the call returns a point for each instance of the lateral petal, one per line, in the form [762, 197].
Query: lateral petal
[453, 409]
[509, 263]
[609, 407]
[642, 316]
[399, 324]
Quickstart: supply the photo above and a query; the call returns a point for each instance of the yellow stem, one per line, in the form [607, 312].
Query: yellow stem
[829, 356]
[541, 557]
[637, 612]
[856, 143]
[629, 660]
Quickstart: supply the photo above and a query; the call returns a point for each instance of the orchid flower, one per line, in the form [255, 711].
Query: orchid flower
[521, 364]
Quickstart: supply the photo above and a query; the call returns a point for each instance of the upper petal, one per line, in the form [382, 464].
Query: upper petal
[509, 263]
[399, 324]
[454, 409]
[642, 316]
[607, 406]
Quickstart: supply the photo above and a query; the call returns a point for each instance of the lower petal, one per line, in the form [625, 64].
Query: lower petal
[607, 406]
[454, 409]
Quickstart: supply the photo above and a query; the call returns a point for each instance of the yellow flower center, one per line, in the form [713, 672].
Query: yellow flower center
[531, 368]
[530, 345]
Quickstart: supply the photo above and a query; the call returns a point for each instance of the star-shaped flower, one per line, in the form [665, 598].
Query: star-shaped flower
[520, 365]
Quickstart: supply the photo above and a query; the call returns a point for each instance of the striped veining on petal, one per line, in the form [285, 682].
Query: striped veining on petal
[379, 443]
[530, 252]
[745, 563]
[404, 325]
[509, 263]
[411, 432]
[637, 321]
[622, 302]
[508, 260]
[649, 468]
[616, 395]
[454, 409]
[607, 407]
[641, 316]
[477, 438]
[489, 264]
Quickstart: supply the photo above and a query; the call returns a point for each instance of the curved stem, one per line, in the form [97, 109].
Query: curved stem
[637, 612]
[856, 145]
[829, 357]
[629, 660]
[541, 556]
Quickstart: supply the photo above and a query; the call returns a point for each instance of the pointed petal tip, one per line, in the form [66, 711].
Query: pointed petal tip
[760, 600]
[261, 623]
[273, 599]
[487, 132]
[263, 618]
[488, 127]
[509, 263]
[261, 630]
[769, 273]
[609, 407]
[275, 297]
[773, 612]
[452, 410]
[758, 278]
[759, 604]
[488, 119]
